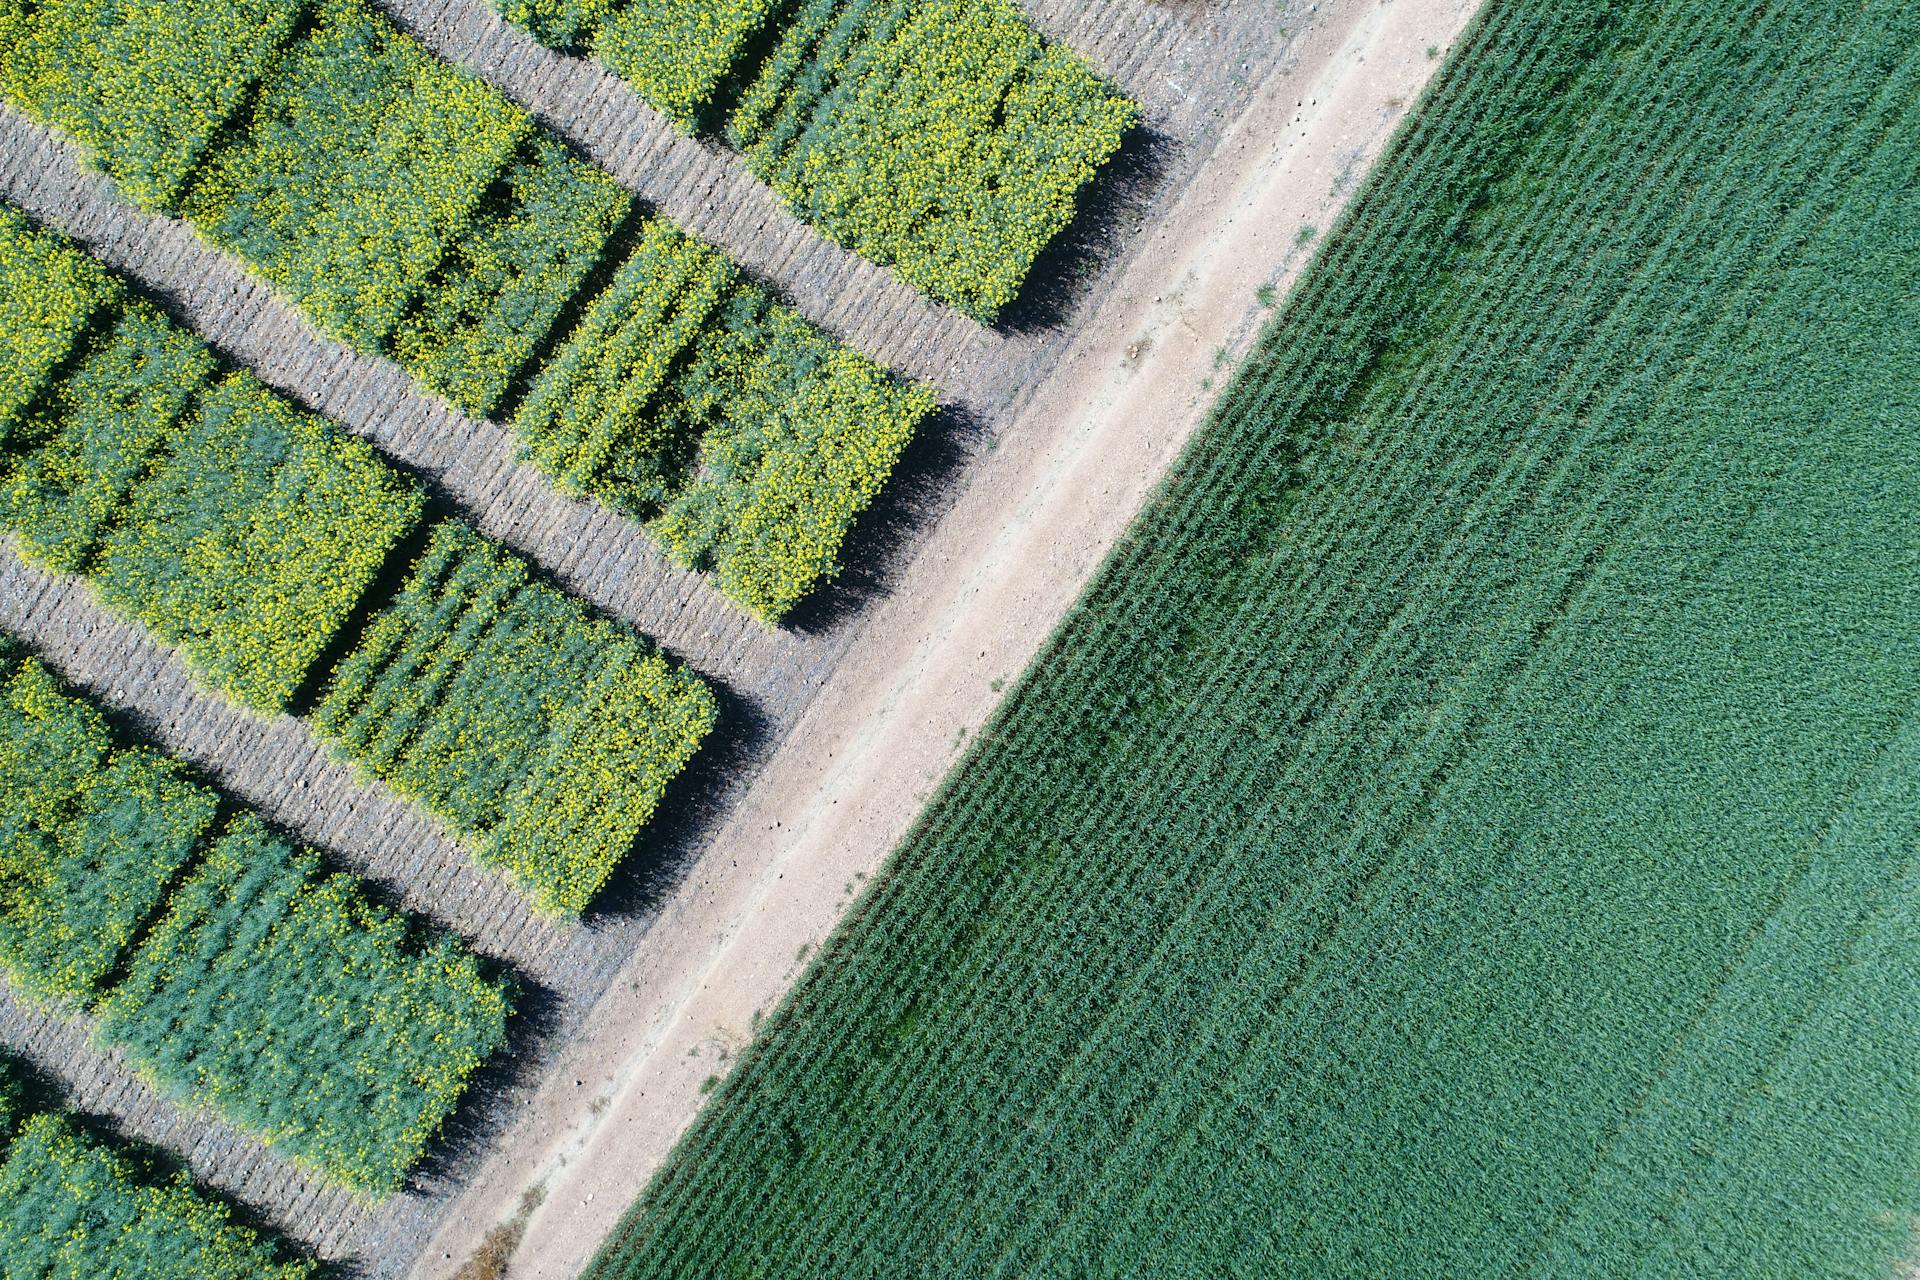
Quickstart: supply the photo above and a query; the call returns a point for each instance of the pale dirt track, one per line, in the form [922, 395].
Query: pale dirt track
[1036, 517]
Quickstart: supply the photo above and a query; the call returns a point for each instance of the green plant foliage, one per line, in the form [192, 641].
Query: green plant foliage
[804, 432]
[254, 539]
[690, 395]
[90, 838]
[72, 1208]
[943, 138]
[678, 53]
[413, 212]
[363, 157]
[559, 24]
[264, 988]
[318, 1019]
[16, 1101]
[249, 532]
[66, 471]
[50, 295]
[1471, 826]
[600, 418]
[504, 285]
[540, 733]
[143, 85]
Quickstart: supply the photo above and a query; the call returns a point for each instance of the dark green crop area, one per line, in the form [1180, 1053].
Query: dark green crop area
[1470, 826]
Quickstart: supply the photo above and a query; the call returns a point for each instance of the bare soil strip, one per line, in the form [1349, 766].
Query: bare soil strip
[978, 599]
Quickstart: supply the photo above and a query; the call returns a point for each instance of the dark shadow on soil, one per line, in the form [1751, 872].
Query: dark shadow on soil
[486, 1109]
[878, 548]
[1112, 208]
[381, 590]
[693, 808]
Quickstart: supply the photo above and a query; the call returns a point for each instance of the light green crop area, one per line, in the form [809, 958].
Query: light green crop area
[1469, 828]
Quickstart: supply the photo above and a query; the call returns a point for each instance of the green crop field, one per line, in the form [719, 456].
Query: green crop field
[1470, 827]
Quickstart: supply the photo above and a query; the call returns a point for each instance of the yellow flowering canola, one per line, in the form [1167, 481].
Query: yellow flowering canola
[541, 733]
[71, 1205]
[945, 139]
[246, 532]
[414, 213]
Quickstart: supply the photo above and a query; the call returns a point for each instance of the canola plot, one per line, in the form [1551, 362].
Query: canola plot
[413, 212]
[248, 533]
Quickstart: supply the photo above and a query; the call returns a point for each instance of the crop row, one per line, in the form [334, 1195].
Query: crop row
[246, 532]
[221, 959]
[943, 138]
[416, 214]
[74, 1205]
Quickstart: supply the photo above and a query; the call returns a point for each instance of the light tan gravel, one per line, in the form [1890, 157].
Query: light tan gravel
[988, 585]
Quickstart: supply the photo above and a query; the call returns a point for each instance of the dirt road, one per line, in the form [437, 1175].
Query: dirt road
[986, 588]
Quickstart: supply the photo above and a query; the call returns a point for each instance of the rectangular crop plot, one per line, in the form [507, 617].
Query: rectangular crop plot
[145, 87]
[690, 395]
[50, 294]
[542, 734]
[67, 470]
[363, 158]
[90, 836]
[943, 138]
[413, 212]
[678, 53]
[601, 418]
[502, 286]
[789, 460]
[254, 538]
[71, 1206]
[304, 1012]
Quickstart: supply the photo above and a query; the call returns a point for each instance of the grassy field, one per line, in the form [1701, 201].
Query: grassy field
[1469, 828]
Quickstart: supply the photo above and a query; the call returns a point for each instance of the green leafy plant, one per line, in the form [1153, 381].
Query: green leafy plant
[144, 87]
[90, 838]
[361, 160]
[414, 213]
[502, 287]
[67, 470]
[254, 538]
[51, 294]
[946, 140]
